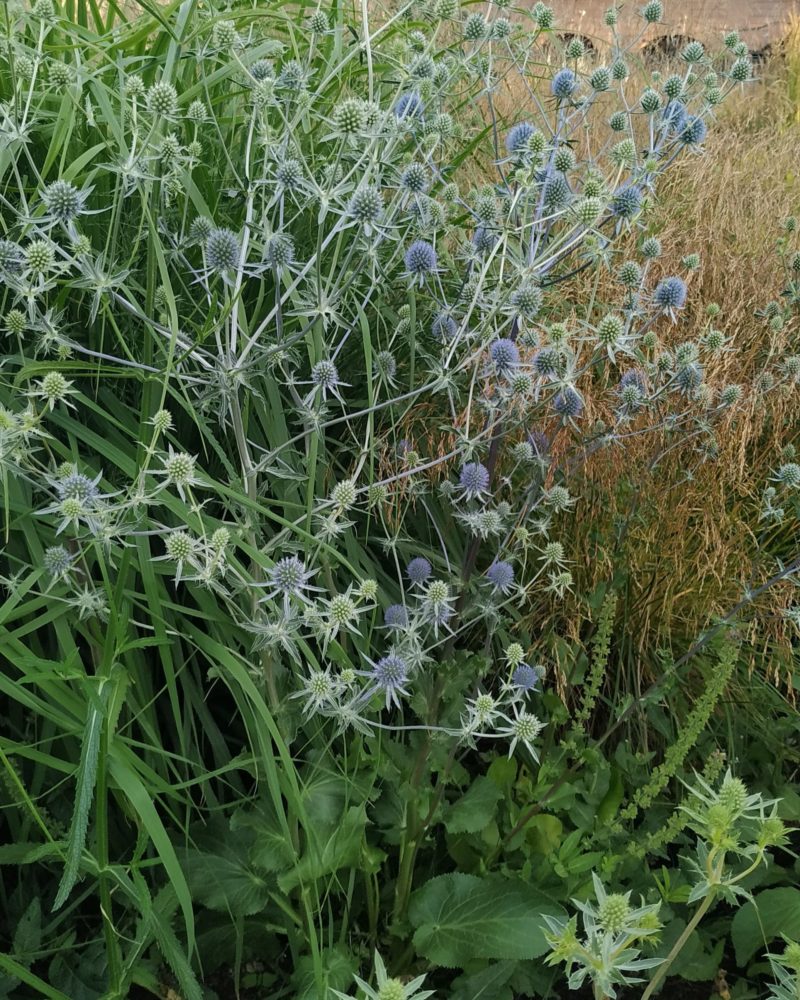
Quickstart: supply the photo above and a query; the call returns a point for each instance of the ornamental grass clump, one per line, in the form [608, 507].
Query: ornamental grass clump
[294, 417]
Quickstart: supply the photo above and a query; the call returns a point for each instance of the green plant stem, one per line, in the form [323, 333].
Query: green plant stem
[112, 944]
[676, 949]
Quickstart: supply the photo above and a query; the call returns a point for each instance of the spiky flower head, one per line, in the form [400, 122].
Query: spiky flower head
[366, 205]
[501, 576]
[563, 84]
[11, 257]
[689, 379]
[613, 913]
[289, 577]
[589, 210]
[280, 251]
[650, 101]
[384, 366]
[505, 355]
[53, 388]
[575, 49]
[162, 100]
[556, 194]
[526, 678]
[15, 322]
[651, 248]
[670, 294]
[693, 52]
[318, 22]
[444, 327]
[474, 480]
[162, 421]
[40, 256]
[629, 274]
[527, 300]
[731, 395]
[694, 131]
[475, 28]
[627, 201]
[568, 403]
[415, 179]
[600, 79]
[549, 363]
[57, 561]
[408, 106]
[420, 259]
[564, 159]
[389, 675]
[519, 137]
[544, 16]
[222, 250]
[62, 200]
[419, 570]
[396, 616]
[653, 11]
[392, 989]
[289, 174]
[789, 475]
[349, 117]
[610, 329]
[344, 493]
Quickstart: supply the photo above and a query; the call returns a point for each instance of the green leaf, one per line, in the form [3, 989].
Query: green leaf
[226, 881]
[490, 983]
[459, 918]
[772, 913]
[84, 793]
[341, 850]
[474, 810]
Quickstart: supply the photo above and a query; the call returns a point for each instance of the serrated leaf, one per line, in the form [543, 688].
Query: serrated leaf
[84, 793]
[459, 918]
[342, 849]
[772, 913]
[474, 810]
[28, 932]
[490, 983]
[226, 882]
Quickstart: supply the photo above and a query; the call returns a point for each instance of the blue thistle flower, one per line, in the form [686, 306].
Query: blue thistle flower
[419, 570]
[408, 106]
[694, 131]
[674, 116]
[484, 239]
[519, 137]
[526, 678]
[627, 201]
[420, 259]
[568, 403]
[501, 576]
[289, 578]
[474, 480]
[389, 675]
[670, 294]
[563, 84]
[396, 616]
[635, 377]
[505, 355]
[444, 327]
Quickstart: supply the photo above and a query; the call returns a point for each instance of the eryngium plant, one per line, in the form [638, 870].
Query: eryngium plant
[292, 406]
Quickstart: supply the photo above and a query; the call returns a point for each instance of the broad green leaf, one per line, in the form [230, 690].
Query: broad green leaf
[490, 983]
[772, 913]
[474, 810]
[226, 882]
[342, 849]
[460, 918]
